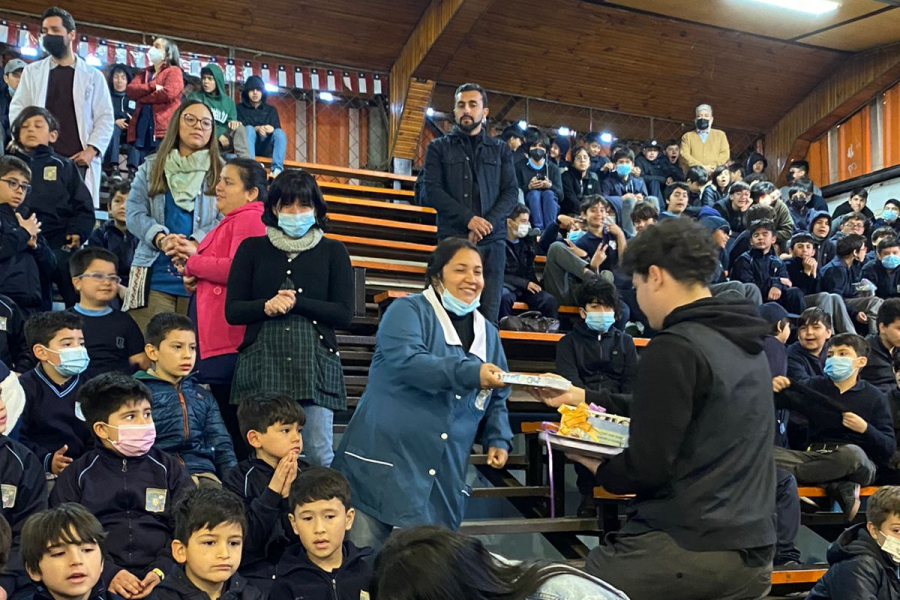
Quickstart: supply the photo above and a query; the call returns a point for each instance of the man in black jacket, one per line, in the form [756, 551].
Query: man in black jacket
[265, 137]
[699, 459]
[470, 181]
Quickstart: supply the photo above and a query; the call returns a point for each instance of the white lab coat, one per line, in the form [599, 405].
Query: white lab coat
[93, 109]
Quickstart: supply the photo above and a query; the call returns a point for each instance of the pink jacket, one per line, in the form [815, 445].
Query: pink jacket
[210, 265]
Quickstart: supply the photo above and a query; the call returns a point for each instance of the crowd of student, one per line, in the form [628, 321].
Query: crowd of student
[150, 432]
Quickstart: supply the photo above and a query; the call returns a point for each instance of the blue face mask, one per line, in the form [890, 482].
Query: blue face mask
[839, 368]
[72, 361]
[296, 225]
[457, 306]
[891, 261]
[623, 170]
[575, 235]
[600, 321]
[889, 215]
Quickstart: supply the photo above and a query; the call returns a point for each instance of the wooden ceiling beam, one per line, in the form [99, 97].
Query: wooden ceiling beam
[850, 87]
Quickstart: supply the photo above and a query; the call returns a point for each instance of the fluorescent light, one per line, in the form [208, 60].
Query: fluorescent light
[271, 88]
[813, 7]
[523, 124]
[93, 60]
[606, 138]
[429, 111]
[28, 51]
[564, 131]
[326, 96]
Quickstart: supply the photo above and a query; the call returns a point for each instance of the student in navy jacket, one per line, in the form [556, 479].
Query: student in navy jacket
[762, 267]
[654, 171]
[113, 235]
[519, 280]
[541, 184]
[623, 189]
[733, 208]
[13, 348]
[806, 356]
[129, 485]
[879, 369]
[884, 270]
[841, 275]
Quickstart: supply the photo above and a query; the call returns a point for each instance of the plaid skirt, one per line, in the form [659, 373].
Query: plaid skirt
[289, 358]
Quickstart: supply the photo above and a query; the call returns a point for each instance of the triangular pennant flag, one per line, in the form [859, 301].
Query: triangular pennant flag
[248, 71]
[332, 84]
[362, 83]
[195, 65]
[376, 84]
[230, 71]
[138, 57]
[348, 83]
[4, 31]
[298, 78]
[83, 49]
[24, 36]
[122, 54]
[314, 79]
[102, 52]
[282, 76]
[264, 73]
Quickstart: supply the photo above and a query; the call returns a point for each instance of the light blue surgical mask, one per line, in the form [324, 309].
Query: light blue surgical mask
[839, 368]
[891, 262]
[600, 321]
[457, 306]
[296, 225]
[72, 361]
[889, 215]
[575, 235]
[623, 170]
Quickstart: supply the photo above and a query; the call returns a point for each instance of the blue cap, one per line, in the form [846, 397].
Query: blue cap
[715, 223]
[772, 312]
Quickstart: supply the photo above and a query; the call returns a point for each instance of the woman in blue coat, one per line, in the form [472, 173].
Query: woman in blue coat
[434, 378]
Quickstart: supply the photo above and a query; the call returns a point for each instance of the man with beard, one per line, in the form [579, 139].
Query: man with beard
[470, 180]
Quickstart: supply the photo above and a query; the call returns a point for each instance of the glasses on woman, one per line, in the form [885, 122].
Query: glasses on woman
[16, 186]
[100, 277]
[191, 121]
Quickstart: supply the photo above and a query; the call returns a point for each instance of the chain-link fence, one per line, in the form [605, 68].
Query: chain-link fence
[550, 117]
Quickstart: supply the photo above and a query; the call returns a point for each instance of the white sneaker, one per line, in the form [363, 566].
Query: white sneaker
[276, 173]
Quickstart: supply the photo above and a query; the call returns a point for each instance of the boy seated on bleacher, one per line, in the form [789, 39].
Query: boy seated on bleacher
[187, 420]
[850, 427]
[113, 235]
[622, 188]
[51, 425]
[323, 561]
[762, 267]
[24, 492]
[890, 473]
[13, 347]
[851, 223]
[596, 356]
[127, 483]
[272, 426]
[520, 282]
[112, 338]
[697, 179]
[879, 370]
[884, 270]
[844, 273]
[805, 357]
[643, 215]
[863, 560]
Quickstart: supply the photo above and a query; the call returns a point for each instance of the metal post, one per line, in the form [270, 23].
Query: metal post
[527, 111]
[652, 135]
[314, 153]
[591, 118]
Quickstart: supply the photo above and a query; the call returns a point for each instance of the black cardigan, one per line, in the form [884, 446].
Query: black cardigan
[323, 276]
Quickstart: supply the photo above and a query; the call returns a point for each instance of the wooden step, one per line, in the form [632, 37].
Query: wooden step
[524, 491]
[339, 204]
[366, 191]
[383, 223]
[817, 492]
[800, 574]
[544, 525]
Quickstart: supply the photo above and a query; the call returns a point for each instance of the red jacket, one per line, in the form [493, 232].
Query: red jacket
[210, 265]
[164, 102]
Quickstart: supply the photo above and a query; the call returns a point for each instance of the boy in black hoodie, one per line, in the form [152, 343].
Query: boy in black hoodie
[323, 564]
[265, 137]
[209, 533]
[127, 483]
[864, 558]
[58, 196]
[272, 425]
[64, 549]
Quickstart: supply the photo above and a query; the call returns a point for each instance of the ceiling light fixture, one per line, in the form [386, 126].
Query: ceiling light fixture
[523, 125]
[565, 131]
[271, 89]
[813, 7]
[429, 111]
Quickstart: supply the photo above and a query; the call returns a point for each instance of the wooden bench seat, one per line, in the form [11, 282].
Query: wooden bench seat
[344, 172]
[803, 574]
[803, 492]
[386, 297]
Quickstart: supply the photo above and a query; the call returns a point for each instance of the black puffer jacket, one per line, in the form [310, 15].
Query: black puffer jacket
[859, 569]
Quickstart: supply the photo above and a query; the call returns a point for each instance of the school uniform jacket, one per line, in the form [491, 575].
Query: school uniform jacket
[21, 266]
[887, 283]
[598, 361]
[132, 498]
[269, 532]
[177, 586]
[298, 577]
[14, 350]
[763, 270]
[406, 450]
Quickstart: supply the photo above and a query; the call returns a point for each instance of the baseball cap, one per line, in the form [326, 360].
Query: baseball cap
[772, 312]
[651, 144]
[714, 223]
[16, 64]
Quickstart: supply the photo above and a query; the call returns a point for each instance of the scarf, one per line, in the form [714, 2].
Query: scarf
[294, 246]
[185, 175]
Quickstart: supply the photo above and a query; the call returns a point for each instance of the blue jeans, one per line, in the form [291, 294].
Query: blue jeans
[368, 532]
[318, 434]
[493, 258]
[271, 146]
[544, 207]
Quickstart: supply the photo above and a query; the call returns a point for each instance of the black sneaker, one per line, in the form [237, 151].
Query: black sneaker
[847, 495]
[588, 507]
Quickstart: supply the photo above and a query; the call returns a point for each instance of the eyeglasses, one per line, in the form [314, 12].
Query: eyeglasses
[191, 121]
[15, 185]
[98, 277]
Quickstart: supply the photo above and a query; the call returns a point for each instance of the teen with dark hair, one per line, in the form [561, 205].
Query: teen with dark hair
[691, 443]
[438, 363]
[643, 215]
[884, 271]
[889, 216]
[578, 181]
[765, 193]
[859, 198]
[756, 163]
[600, 164]
[717, 190]
[820, 229]
[470, 180]
[622, 189]
[697, 178]
[118, 77]
[732, 209]
[292, 288]
[540, 183]
[762, 267]
[843, 273]
[879, 368]
[802, 202]
[654, 172]
[676, 201]
[425, 563]
[265, 137]
[113, 235]
[799, 171]
[803, 271]
[520, 281]
[805, 357]
[672, 161]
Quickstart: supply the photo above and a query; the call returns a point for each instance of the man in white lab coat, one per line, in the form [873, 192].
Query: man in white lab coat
[76, 94]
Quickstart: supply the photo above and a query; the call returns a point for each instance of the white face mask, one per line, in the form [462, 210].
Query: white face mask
[891, 545]
[522, 230]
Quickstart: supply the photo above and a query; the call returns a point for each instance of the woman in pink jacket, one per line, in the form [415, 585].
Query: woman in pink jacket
[240, 196]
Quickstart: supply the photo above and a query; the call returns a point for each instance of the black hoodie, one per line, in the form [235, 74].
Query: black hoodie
[700, 451]
[298, 577]
[860, 569]
[264, 114]
[177, 586]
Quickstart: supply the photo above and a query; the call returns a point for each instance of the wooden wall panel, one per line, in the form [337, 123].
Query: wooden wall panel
[819, 169]
[891, 127]
[332, 134]
[853, 146]
[287, 114]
